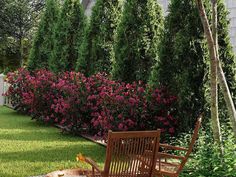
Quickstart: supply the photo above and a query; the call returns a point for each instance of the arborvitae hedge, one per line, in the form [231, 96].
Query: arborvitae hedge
[181, 68]
[43, 41]
[184, 60]
[227, 56]
[137, 42]
[97, 49]
[67, 37]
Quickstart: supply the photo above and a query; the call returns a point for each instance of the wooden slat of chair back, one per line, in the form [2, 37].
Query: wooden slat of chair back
[194, 138]
[123, 148]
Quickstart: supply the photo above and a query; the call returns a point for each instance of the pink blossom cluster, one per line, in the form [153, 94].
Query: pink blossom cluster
[93, 104]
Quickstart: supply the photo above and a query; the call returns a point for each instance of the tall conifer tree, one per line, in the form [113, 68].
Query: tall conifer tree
[67, 37]
[138, 34]
[43, 41]
[226, 55]
[97, 49]
[183, 67]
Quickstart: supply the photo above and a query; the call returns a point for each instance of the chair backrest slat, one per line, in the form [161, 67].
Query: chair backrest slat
[124, 150]
[194, 138]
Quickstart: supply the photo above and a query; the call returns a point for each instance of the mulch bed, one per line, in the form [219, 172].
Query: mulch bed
[97, 140]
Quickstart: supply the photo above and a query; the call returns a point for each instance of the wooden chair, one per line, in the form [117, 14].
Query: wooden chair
[165, 167]
[122, 156]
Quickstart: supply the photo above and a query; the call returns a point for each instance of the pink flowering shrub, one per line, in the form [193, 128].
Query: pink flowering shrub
[21, 90]
[93, 104]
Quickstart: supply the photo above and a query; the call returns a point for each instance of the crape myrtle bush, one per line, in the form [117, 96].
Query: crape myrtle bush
[92, 104]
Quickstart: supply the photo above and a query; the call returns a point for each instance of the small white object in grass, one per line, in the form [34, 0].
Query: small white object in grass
[60, 174]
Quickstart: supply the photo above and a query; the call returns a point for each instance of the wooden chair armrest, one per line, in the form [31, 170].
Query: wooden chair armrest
[93, 164]
[169, 156]
[167, 146]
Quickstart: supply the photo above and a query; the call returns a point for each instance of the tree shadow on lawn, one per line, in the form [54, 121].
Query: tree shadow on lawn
[36, 131]
[26, 122]
[9, 111]
[54, 154]
[40, 135]
[11, 119]
[47, 159]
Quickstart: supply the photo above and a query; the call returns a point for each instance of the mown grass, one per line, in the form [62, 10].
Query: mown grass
[29, 148]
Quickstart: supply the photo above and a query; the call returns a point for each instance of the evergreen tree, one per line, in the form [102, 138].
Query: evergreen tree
[138, 34]
[67, 37]
[96, 52]
[226, 56]
[183, 67]
[43, 41]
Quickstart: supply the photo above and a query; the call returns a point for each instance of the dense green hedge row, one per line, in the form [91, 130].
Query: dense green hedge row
[120, 38]
[183, 65]
[131, 41]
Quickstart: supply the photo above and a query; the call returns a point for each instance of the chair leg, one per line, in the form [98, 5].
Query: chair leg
[93, 173]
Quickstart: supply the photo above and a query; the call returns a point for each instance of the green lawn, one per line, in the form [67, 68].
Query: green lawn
[30, 148]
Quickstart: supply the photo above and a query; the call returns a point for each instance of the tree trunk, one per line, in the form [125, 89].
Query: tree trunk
[213, 66]
[21, 52]
[215, 38]
[227, 97]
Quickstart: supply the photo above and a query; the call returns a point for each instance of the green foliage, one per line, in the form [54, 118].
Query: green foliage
[68, 35]
[18, 18]
[3, 19]
[8, 55]
[184, 63]
[181, 68]
[227, 56]
[228, 61]
[206, 160]
[43, 41]
[97, 51]
[138, 34]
